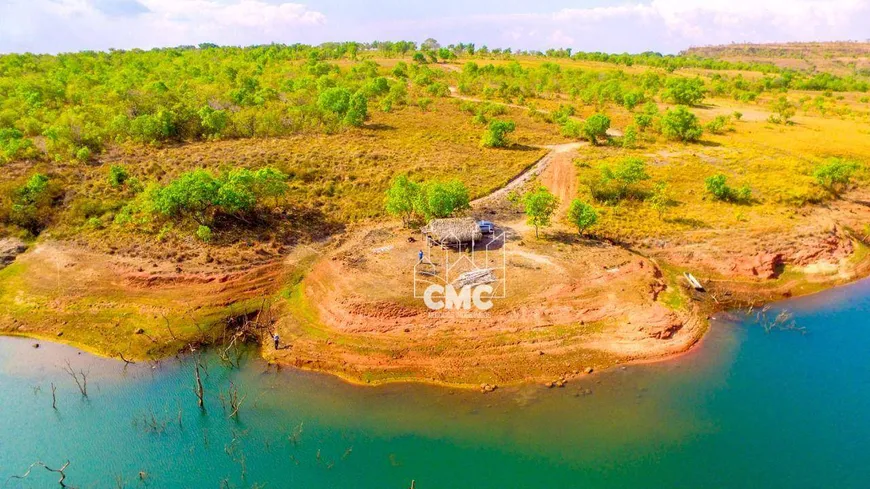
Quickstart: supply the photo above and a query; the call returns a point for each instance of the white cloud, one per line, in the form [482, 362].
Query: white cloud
[69, 25]
[661, 25]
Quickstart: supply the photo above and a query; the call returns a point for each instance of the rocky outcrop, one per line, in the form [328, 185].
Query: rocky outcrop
[10, 248]
[763, 265]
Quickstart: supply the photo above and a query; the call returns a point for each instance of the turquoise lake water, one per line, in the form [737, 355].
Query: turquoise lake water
[744, 409]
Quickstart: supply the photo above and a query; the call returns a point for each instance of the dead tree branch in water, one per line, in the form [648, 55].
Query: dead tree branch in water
[53, 396]
[232, 396]
[61, 471]
[200, 393]
[83, 383]
[783, 321]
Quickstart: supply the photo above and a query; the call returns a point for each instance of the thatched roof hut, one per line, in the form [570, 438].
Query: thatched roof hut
[454, 230]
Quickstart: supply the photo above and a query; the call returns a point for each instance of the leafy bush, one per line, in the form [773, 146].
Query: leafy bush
[596, 127]
[496, 133]
[645, 119]
[200, 196]
[571, 128]
[684, 91]
[617, 182]
[441, 199]
[29, 206]
[13, 145]
[204, 234]
[717, 186]
[783, 111]
[681, 124]
[117, 176]
[718, 125]
[835, 174]
[629, 137]
[582, 215]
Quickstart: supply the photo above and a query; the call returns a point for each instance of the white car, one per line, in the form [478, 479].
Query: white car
[486, 227]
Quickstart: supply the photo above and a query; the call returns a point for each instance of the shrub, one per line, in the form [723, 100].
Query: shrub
[357, 111]
[29, 206]
[582, 215]
[717, 186]
[718, 125]
[629, 138]
[83, 154]
[424, 103]
[616, 182]
[436, 200]
[783, 111]
[660, 200]
[684, 91]
[200, 196]
[681, 124]
[496, 133]
[596, 127]
[571, 128]
[117, 176]
[13, 145]
[646, 118]
[835, 174]
[204, 233]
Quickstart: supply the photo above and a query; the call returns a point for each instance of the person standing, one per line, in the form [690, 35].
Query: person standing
[420, 256]
[277, 340]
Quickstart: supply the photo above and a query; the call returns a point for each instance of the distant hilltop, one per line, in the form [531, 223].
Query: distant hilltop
[841, 57]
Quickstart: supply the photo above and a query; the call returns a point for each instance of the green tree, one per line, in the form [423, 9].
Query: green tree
[629, 137]
[596, 127]
[627, 172]
[681, 124]
[496, 133]
[214, 122]
[783, 111]
[684, 91]
[539, 206]
[401, 197]
[200, 195]
[335, 100]
[646, 118]
[358, 110]
[437, 200]
[582, 215]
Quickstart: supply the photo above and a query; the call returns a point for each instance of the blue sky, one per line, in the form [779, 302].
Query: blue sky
[596, 25]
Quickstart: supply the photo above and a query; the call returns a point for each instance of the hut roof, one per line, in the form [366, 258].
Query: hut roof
[453, 230]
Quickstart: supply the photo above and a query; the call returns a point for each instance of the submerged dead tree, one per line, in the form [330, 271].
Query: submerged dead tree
[61, 471]
[80, 378]
[200, 392]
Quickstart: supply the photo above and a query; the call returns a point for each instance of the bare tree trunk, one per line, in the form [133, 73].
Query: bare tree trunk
[83, 383]
[199, 390]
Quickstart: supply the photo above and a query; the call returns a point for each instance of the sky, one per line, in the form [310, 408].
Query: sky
[667, 26]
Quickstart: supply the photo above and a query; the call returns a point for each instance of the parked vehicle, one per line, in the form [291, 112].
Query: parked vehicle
[486, 227]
